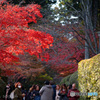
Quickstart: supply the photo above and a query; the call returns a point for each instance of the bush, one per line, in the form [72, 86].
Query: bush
[70, 79]
[2, 88]
[41, 78]
[89, 76]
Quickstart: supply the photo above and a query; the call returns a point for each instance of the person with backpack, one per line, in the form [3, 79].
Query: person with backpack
[17, 92]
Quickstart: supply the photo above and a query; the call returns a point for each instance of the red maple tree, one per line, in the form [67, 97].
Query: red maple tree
[15, 35]
[67, 49]
[66, 57]
[68, 46]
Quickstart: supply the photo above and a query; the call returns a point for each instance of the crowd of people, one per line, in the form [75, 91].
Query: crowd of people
[49, 91]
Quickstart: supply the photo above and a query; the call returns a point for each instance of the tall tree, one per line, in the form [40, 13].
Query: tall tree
[85, 11]
[15, 35]
[67, 49]
[43, 3]
[89, 26]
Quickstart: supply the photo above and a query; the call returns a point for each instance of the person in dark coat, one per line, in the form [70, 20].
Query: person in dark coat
[37, 95]
[72, 93]
[46, 91]
[54, 89]
[9, 88]
[31, 92]
[63, 92]
[25, 92]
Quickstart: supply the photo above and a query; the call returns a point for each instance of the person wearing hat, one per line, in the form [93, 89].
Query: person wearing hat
[46, 91]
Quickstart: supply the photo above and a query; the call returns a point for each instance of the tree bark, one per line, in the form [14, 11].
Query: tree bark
[95, 5]
[86, 48]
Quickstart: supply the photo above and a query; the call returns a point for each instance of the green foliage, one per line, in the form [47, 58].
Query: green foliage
[70, 79]
[43, 3]
[2, 88]
[73, 3]
[4, 78]
[89, 76]
[28, 82]
[45, 77]
[41, 78]
[3, 81]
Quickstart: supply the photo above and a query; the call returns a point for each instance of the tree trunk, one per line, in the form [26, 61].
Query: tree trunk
[86, 48]
[89, 29]
[95, 6]
[86, 33]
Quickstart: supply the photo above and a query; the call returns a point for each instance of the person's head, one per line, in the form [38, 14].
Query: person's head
[70, 86]
[37, 87]
[73, 86]
[46, 83]
[64, 87]
[57, 87]
[33, 87]
[8, 85]
[52, 83]
[18, 85]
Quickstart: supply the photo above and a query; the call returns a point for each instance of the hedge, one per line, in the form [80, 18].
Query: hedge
[89, 76]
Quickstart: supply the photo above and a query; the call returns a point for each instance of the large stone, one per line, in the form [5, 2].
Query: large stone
[89, 76]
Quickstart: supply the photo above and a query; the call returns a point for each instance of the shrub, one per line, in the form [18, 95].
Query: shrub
[89, 76]
[2, 88]
[70, 79]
